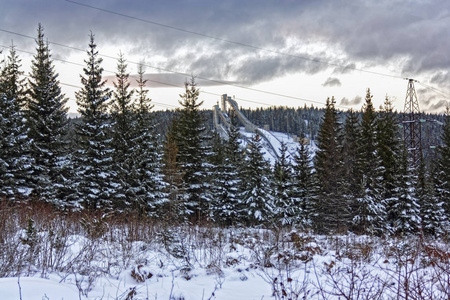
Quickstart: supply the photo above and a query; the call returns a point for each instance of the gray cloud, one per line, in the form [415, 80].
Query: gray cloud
[344, 70]
[355, 101]
[431, 100]
[441, 78]
[332, 81]
[363, 32]
[439, 106]
[158, 80]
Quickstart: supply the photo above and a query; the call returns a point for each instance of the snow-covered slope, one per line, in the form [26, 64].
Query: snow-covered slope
[276, 138]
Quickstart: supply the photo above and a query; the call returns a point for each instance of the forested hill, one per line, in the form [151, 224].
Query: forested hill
[299, 120]
[304, 120]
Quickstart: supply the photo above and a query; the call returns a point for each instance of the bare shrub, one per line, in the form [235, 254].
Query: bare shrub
[140, 275]
[285, 264]
[351, 279]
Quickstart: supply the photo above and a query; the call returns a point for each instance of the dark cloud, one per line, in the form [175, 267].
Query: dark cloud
[332, 81]
[361, 32]
[355, 101]
[257, 69]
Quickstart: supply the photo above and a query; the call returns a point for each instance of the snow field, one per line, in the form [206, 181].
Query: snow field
[189, 262]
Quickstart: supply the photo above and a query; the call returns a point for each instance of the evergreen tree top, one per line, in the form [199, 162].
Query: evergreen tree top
[11, 83]
[122, 94]
[190, 97]
[143, 105]
[45, 91]
[93, 97]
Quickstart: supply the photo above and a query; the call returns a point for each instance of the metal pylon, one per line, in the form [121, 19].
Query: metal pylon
[411, 124]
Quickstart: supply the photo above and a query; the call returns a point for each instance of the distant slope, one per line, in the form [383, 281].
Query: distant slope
[276, 138]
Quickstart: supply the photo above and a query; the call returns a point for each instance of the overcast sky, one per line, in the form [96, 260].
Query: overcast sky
[262, 52]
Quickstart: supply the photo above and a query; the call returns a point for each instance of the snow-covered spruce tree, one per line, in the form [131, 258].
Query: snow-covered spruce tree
[405, 210]
[175, 208]
[332, 210]
[146, 184]
[218, 176]
[389, 150]
[285, 211]
[304, 189]
[3, 124]
[15, 157]
[442, 175]
[257, 195]
[226, 181]
[192, 151]
[371, 215]
[95, 182]
[47, 120]
[122, 134]
[432, 214]
[13, 83]
[352, 175]
[388, 145]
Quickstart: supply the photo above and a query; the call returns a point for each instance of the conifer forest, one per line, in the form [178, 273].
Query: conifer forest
[120, 156]
[351, 174]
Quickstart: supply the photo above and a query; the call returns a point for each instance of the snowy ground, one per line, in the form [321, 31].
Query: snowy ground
[212, 263]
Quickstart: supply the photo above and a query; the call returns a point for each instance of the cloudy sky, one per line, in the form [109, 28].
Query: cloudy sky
[263, 52]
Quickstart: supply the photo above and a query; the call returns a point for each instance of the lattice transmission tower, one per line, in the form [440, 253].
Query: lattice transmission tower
[411, 124]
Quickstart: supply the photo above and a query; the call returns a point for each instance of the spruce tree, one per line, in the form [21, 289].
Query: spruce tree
[432, 213]
[388, 148]
[13, 84]
[3, 123]
[405, 210]
[123, 125]
[15, 158]
[146, 184]
[332, 210]
[257, 197]
[192, 151]
[175, 208]
[371, 213]
[47, 120]
[282, 175]
[219, 192]
[304, 189]
[95, 182]
[227, 182]
[352, 175]
[442, 176]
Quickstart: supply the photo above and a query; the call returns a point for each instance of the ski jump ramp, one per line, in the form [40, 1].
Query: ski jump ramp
[222, 124]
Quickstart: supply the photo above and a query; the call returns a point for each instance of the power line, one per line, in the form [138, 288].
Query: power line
[174, 72]
[222, 40]
[80, 87]
[132, 76]
[200, 77]
[434, 89]
[230, 41]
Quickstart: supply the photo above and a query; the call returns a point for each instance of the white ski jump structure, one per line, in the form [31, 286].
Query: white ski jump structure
[222, 124]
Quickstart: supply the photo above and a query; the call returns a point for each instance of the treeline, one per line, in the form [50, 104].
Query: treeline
[113, 158]
[307, 120]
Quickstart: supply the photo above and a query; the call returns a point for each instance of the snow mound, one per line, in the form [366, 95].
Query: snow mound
[29, 288]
